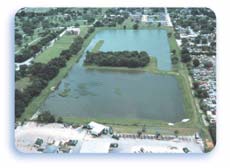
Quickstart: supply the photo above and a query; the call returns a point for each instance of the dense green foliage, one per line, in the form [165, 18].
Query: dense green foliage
[90, 30]
[174, 60]
[46, 117]
[212, 130]
[185, 56]
[135, 26]
[117, 59]
[196, 62]
[32, 50]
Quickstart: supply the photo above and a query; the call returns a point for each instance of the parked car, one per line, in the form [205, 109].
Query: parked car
[114, 145]
[186, 150]
[72, 142]
[115, 137]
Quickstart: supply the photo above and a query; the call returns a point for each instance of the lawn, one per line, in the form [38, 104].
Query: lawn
[83, 30]
[52, 52]
[132, 126]
[98, 46]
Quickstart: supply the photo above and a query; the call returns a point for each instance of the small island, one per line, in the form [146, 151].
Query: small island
[131, 59]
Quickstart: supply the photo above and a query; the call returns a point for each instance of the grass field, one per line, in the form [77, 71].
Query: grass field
[97, 46]
[84, 30]
[61, 44]
[132, 126]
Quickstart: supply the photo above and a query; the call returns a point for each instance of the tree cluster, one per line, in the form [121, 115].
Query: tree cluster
[32, 50]
[118, 59]
[185, 56]
[90, 30]
[46, 117]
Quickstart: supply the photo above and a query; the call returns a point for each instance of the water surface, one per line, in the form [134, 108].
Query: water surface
[121, 94]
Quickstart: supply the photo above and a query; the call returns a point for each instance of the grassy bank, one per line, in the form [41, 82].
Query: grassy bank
[54, 51]
[97, 46]
[132, 126]
[191, 106]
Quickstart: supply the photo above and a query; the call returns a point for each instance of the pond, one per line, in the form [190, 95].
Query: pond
[154, 42]
[102, 94]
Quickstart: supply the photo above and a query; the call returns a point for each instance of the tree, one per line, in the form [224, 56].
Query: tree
[212, 130]
[185, 58]
[23, 70]
[28, 30]
[196, 62]
[124, 27]
[60, 120]
[18, 38]
[144, 128]
[77, 25]
[135, 26]
[20, 103]
[176, 133]
[173, 51]
[98, 24]
[159, 24]
[174, 60]
[117, 59]
[169, 34]
[202, 93]
[158, 135]
[196, 85]
[208, 64]
[139, 133]
[46, 117]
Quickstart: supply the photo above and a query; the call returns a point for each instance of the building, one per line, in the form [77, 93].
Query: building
[97, 129]
[73, 30]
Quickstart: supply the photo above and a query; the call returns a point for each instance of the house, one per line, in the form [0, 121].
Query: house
[97, 129]
[73, 30]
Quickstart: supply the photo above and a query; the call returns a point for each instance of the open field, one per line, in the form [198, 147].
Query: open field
[52, 52]
[84, 30]
[98, 46]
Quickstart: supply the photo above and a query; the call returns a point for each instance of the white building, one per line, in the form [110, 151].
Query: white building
[97, 129]
[73, 30]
